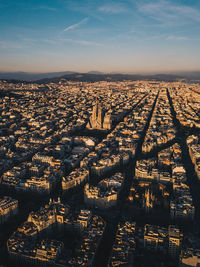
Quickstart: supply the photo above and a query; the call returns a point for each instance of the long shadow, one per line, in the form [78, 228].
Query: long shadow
[192, 178]
[104, 249]
[156, 150]
[194, 91]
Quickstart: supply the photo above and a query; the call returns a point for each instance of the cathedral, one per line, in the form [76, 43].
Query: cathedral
[99, 120]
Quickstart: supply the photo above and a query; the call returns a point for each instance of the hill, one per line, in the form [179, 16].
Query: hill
[93, 77]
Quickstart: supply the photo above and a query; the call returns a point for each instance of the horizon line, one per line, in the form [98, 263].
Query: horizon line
[102, 72]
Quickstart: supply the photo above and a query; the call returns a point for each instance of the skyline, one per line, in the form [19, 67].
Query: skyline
[109, 36]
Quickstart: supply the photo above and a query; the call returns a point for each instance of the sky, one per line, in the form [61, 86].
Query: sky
[128, 36]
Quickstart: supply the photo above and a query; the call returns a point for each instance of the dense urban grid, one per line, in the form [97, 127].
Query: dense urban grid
[100, 173]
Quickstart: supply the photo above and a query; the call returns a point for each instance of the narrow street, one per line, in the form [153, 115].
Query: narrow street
[102, 255]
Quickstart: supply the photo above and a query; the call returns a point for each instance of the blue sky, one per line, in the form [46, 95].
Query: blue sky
[132, 36]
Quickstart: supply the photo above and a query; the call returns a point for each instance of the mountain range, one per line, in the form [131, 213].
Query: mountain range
[93, 76]
[28, 76]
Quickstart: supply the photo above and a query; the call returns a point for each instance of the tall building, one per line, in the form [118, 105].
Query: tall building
[107, 123]
[94, 114]
[99, 120]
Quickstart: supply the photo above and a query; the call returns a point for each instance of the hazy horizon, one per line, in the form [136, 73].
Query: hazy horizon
[101, 72]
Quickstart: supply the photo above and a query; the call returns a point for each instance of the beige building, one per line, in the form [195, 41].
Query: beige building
[99, 120]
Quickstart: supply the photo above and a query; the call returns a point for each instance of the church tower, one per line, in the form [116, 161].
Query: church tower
[94, 115]
[99, 118]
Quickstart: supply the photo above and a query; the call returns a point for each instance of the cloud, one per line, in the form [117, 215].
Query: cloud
[75, 26]
[86, 7]
[50, 41]
[12, 45]
[170, 13]
[45, 8]
[176, 38]
[81, 42]
[68, 40]
[181, 38]
[113, 8]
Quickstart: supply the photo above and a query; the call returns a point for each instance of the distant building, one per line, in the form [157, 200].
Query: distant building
[48, 250]
[105, 194]
[8, 207]
[174, 241]
[155, 238]
[84, 218]
[75, 178]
